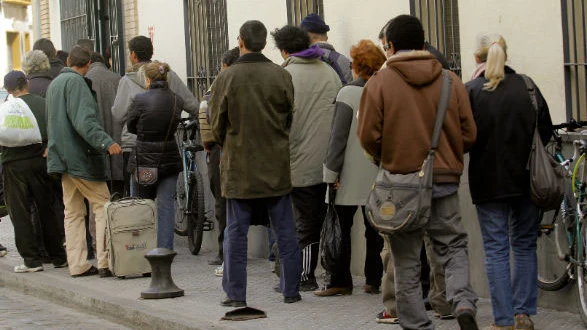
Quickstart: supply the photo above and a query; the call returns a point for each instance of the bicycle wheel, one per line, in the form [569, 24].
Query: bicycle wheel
[182, 219]
[553, 271]
[196, 227]
[581, 272]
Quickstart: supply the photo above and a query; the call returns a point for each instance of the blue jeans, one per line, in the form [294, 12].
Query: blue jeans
[510, 223]
[164, 191]
[239, 214]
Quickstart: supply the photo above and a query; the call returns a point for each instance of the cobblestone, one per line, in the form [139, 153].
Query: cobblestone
[200, 309]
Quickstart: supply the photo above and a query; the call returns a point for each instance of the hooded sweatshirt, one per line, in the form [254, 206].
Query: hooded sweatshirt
[398, 111]
[133, 83]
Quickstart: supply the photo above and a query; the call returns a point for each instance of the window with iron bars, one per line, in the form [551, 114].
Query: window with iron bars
[97, 20]
[575, 57]
[440, 19]
[207, 40]
[298, 9]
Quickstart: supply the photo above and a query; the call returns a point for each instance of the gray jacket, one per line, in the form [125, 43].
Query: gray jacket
[315, 89]
[132, 84]
[345, 158]
[105, 84]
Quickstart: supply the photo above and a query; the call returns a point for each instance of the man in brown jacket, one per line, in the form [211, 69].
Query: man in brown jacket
[396, 120]
[251, 109]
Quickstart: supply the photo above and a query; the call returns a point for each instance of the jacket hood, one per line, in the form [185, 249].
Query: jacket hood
[417, 68]
[313, 52]
[138, 77]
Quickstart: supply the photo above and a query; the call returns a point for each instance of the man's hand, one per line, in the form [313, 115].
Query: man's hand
[114, 149]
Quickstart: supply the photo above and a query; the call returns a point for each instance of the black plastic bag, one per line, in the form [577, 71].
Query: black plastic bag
[330, 237]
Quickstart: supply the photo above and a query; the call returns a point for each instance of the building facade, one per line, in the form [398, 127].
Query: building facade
[16, 33]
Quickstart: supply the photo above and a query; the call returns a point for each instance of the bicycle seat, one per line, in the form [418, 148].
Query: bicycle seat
[194, 147]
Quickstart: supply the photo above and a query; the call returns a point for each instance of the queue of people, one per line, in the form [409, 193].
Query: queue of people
[279, 139]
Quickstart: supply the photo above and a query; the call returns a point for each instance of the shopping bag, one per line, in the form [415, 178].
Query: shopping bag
[330, 238]
[18, 125]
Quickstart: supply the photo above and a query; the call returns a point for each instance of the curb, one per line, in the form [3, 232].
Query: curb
[115, 310]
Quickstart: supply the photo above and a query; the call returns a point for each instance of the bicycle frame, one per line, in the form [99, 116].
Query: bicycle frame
[188, 148]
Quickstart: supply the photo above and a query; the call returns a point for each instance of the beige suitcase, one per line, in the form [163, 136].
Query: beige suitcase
[131, 231]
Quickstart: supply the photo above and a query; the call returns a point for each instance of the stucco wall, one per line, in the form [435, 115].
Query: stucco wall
[533, 32]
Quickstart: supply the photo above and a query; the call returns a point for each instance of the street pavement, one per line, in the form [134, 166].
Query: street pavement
[119, 299]
[26, 312]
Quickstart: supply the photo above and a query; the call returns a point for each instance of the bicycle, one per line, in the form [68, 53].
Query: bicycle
[190, 219]
[562, 240]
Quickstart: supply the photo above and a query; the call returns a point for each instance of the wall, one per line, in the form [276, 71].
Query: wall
[271, 12]
[54, 23]
[18, 19]
[533, 32]
[168, 34]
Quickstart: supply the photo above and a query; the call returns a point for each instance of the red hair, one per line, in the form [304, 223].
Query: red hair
[367, 58]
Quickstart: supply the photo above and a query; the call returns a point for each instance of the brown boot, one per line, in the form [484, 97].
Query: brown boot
[523, 322]
[327, 292]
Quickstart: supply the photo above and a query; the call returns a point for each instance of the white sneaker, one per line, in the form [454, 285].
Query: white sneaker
[24, 269]
[219, 270]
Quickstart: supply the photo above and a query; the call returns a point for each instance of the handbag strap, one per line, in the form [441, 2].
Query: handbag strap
[442, 106]
[532, 92]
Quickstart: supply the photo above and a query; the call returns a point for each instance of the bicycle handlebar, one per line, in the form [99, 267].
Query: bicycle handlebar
[571, 125]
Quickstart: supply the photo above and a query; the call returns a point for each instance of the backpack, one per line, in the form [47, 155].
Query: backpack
[547, 176]
[332, 60]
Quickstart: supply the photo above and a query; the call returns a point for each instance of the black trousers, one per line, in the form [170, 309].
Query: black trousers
[213, 161]
[373, 265]
[26, 178]
[309, 212]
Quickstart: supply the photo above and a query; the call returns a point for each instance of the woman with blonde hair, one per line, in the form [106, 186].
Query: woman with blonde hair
[499, 181]
[36, 66]
[153, 116]
[350, 173]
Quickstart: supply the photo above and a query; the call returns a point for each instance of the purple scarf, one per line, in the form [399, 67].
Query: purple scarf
[313, 52]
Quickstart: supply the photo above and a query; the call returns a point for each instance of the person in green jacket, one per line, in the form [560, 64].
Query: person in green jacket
[77, 151]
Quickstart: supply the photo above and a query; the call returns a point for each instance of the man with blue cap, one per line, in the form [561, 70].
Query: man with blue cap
[318, 32]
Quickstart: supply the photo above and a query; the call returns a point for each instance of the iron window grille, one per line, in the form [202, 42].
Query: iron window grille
[206, 41]
[440, 19]
[97, 20]
[298, 9]
[575, 57]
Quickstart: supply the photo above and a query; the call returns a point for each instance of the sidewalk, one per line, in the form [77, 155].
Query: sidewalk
[119, 300]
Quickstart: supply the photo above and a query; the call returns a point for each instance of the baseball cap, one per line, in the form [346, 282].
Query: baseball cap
[13, 79]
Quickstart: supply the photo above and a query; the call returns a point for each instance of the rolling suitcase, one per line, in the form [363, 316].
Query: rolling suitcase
[131, 231]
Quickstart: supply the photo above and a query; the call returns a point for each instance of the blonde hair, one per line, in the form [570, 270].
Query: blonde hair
[492, 50]
[35, 61]
[156, 71]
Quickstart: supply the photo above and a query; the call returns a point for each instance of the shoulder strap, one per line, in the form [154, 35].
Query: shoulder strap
[442, 105]
[532, 92]
[332, 60]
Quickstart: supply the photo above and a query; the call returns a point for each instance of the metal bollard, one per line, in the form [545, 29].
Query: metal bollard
[162, 285]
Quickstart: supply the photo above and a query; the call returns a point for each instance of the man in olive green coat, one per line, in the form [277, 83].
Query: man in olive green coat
[251, 108]
[77, 150]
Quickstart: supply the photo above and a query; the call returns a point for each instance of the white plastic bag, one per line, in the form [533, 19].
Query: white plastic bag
[18, 125]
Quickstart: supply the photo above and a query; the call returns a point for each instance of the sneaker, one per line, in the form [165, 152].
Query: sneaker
[227, 302]
[333, 291]
[466, 319]
[291, 300]
[218, 271]
[92, 271]
[3, 251]
[523, 322]
[385, 318]
[308, 285]
[447, 316]
[24, 269]
[371, 289]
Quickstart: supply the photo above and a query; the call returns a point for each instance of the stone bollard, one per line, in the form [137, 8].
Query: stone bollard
[162, 285]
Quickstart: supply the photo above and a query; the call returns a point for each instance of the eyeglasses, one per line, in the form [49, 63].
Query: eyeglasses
[386, 47]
